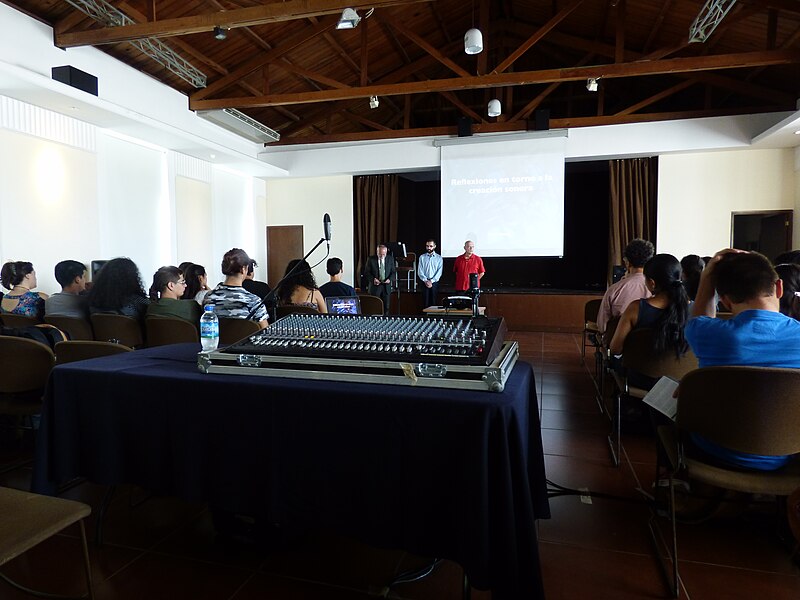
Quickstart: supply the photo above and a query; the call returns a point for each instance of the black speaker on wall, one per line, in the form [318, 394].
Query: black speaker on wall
[76, 78]
[540, 121]
[464, 127]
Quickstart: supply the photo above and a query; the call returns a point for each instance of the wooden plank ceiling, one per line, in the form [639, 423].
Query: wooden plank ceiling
[285, 65]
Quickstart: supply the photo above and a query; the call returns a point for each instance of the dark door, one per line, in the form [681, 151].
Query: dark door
[769, 232]
[284, 243]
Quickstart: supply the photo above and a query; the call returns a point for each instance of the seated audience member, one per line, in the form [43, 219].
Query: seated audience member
[71, 301]
[790, 301]
[665, 312]
[196, 283]
[300, 288]
[184, 266]
[631, 287]
[165, 297]
[336, 287]
[118, 289]
[229, 298]
[19, 278]
[792, 256]
[691, 268]
[756, 335]
[252, 285]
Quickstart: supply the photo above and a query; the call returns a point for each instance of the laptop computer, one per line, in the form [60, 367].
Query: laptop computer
[343, 305]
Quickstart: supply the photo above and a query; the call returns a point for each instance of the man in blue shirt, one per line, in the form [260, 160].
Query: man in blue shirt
[757, 334]
[336, 287]
[429, 271]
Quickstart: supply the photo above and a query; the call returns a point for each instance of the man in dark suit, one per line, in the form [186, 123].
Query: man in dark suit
[380, 271]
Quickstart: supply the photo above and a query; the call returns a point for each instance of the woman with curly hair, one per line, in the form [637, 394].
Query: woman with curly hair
[118, 289]
[300, 288]
[19, 278]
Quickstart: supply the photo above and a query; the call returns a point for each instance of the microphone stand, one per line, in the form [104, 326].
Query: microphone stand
[271, 293]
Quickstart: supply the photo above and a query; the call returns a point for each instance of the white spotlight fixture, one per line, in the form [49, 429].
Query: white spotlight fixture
[494, 109]
[374, 102]
[220, 33]
[349, 19]
[473, 41]
[591, 84]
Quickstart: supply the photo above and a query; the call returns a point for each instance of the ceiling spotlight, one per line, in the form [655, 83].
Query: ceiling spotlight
[349, 19]
[374, 102]
[473, 41]
[591, 84]
[494, 109]
[220, 33]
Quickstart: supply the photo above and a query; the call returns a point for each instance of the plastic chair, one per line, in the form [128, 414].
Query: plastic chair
[590, 311]
[282, 311]
[371, 305]
[638, 356]
[77, 329]
[745, 409]
[233, 330]
[17, 321]
[35, 519]
[168, 330]
[117, 328]
[75, 350]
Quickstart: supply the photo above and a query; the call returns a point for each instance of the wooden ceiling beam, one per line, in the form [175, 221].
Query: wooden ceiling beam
[655, 28]
[260, 60]
[619, 38]
[656, 97]
[538, 35]
[309, 74]
[608, 71]
[429, 48]
[364, 121]
[453, 99]
[273, 12]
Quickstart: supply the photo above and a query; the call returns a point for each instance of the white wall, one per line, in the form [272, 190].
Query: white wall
[305, 202]
[697, 193]
[48, 204]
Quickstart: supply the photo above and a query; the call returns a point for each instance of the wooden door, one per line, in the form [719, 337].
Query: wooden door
[284, 243]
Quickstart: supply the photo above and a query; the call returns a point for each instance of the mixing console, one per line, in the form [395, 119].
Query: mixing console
[448, 340]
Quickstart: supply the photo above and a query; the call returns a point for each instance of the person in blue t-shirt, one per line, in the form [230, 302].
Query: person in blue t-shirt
[756, 335]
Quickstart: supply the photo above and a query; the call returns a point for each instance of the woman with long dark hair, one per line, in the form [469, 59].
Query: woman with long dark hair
[196, 283]
[691, 268]
[300, 288]
[19, 278]
[790, 301]
[118, 289]
[665, 312]
[165, 296]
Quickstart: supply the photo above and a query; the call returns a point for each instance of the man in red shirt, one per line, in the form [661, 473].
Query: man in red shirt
[465, 264]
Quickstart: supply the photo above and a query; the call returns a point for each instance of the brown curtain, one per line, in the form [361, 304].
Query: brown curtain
[376, 200]
[632, 214]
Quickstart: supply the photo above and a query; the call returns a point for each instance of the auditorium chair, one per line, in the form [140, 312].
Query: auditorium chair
[18, 321]
[745, 409]
[283, 311]
[169, 330]
[371, 305]
[75, 328]
[30, 519]
[232, 330]
[117, 328]
[638, 356]
[590, 331]
[406, 269]
[75, 350]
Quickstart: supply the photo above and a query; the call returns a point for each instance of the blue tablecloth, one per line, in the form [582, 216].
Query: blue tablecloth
[449, 473]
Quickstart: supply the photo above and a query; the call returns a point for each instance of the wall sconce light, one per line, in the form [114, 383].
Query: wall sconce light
[349, 19]
[494, 109]
[591, 84]
[374, 102]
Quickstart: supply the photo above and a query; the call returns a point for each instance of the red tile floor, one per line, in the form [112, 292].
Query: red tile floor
[166, 549]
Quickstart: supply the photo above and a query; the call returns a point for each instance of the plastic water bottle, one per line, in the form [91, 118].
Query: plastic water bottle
[209, 329]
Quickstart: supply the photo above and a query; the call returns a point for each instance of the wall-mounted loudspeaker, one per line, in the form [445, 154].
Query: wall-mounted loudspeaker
[76, 78]
[464, 127]
[540, 121]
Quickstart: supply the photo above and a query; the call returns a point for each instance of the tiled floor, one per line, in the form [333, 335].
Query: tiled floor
[166, 549]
